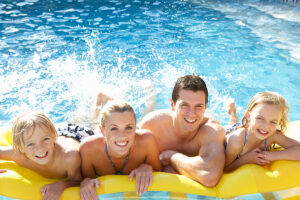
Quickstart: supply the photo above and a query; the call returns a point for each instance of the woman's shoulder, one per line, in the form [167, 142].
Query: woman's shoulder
[92, 142]
[144, 137]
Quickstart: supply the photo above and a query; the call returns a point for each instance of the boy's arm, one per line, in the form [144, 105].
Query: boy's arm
[207, 167]
[6, 153]
[72, 162]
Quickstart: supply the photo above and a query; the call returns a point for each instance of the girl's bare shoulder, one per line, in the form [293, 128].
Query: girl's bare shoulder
[236, 138]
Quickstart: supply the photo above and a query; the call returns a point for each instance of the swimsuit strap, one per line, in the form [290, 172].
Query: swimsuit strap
[266, 146]
[245, 142]
[113, 165]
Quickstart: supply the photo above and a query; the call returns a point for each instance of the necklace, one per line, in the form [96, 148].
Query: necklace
[113, 165]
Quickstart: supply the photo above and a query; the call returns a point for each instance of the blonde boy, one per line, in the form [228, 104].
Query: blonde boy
[37, 147]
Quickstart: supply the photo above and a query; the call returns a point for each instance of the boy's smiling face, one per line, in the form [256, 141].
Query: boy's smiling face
[119, 132]
[38, 144]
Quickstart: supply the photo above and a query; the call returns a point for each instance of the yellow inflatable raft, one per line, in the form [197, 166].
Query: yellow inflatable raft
[281, 180]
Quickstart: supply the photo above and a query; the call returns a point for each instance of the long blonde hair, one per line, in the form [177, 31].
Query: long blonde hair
[26, 121]
[272, 98]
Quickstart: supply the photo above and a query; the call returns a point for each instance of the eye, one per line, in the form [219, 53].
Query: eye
[274, 123]
[46, 138]
[29, 145]
[113, 129]
[128, 128]
[184, 105]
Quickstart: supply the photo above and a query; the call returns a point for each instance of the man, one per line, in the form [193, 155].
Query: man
[189, 142]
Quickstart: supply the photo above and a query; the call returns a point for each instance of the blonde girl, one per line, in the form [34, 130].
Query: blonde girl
[263, 125]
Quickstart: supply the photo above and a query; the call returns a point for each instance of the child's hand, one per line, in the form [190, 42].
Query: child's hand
[87, 189]
[268, 155]
[2, 170]
[257, 157]
[143, 176]
[53, 191]
[165, 157]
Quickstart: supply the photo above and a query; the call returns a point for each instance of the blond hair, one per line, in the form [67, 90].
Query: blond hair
[271, 98]
[114, 106]
[26, 121]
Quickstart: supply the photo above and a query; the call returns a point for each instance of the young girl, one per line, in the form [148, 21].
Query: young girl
[36, 146]
[263, 125]
[120, 150]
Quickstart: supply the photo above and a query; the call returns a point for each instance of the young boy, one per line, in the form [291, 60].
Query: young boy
[36, 146]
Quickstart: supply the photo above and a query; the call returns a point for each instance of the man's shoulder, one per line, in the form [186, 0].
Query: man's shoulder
[156, 116]
[212, 129]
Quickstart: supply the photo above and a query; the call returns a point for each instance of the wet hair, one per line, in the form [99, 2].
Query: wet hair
[189, 82]
[28, 120]
[271, 98]
[114, 106]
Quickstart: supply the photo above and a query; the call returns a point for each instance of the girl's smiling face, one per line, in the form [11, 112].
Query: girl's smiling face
[264, 119]
[38, 144]
[119, 132]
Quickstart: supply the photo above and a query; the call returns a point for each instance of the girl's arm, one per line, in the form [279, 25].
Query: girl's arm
[252, 157]
[235, 144]
[291, 148]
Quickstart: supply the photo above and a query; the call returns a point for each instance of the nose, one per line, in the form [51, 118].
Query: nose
[191, 112]
[122, 133]
[265, 125]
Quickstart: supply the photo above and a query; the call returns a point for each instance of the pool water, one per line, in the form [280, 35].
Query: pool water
[56, 54]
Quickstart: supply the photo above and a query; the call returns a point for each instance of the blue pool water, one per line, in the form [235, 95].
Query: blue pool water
[56, 54]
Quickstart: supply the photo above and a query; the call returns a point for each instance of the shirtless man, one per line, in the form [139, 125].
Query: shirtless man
[189, 142]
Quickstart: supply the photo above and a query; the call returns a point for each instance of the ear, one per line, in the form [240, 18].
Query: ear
[247, 116]
[101, 130]
[172, 104]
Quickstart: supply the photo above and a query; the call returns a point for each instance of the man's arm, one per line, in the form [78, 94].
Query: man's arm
[207, 167]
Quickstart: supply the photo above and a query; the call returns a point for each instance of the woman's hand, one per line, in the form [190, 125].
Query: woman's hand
[87, 189]
[143, 176]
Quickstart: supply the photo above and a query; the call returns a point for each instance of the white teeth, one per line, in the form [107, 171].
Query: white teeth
[121, 143]
[40, 156]
[262, 131]
[190, 120]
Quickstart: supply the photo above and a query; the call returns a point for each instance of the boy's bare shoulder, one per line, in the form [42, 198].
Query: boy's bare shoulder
[67, 144]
